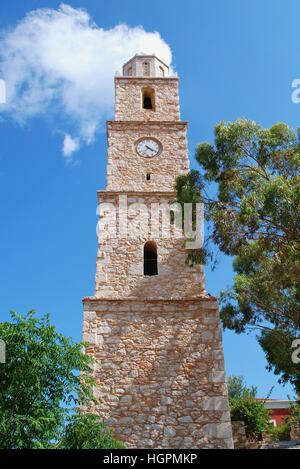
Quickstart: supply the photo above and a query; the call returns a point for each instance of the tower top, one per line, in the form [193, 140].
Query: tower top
[145, 66]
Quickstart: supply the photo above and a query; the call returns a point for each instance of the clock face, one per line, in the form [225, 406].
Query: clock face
[148, 147]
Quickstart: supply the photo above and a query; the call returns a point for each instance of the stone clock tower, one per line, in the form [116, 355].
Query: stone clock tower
[152, 329]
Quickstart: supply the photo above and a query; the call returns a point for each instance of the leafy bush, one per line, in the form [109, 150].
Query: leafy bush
[86, 431]
[295, 412]
[254, 415]
[281, 432]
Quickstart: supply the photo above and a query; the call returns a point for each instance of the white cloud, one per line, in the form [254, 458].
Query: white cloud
[60, 64]
[70, 145]
[2, 92]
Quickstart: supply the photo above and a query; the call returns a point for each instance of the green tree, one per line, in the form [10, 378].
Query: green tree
[250, 184]
[46, 376]
[237, 388]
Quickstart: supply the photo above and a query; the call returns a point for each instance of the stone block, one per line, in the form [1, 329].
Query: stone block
[217, 403]
[218, 430]
[169, 431]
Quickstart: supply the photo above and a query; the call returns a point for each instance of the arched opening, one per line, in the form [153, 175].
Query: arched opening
[148, 98]
[150, 258]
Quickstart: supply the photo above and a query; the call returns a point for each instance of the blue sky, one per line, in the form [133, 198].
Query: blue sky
[235, 58]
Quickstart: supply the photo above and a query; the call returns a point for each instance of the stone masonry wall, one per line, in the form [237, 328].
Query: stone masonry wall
[159, 371]
[127, 171]
[120, 271]
[239, 435]
[295, 431]
[128, 99]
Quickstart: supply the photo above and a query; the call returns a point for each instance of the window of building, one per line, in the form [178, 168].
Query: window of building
[150, 258]
[148, 98]
[129, 72]
[148, 177]
[161, 71]
[146, 69]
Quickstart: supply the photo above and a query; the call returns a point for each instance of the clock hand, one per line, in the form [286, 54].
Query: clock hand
[149, 148]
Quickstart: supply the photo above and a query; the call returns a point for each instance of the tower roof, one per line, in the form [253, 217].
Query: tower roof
[145, 65]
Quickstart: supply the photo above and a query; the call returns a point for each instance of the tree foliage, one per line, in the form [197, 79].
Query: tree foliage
[87, 431]
[237, 388]
[254, 415]
[251, 189]
[244, 407]
[277, 346]
[45, 378]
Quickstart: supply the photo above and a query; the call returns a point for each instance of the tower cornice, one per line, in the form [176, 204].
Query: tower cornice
[145, 79]
[204, 296]
[126, 123]
[102, 194]
[130, 193]
[120, 125]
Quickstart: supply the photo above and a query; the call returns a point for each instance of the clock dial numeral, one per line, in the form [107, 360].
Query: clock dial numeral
[148, 148]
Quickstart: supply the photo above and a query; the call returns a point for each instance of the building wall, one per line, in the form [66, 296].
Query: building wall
[278, 416]
[127, 171]
[239, 435]
[120, 267]
[160, 372]
[128, 96]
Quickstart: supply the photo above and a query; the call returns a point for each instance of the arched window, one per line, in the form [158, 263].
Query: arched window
[148, 98]
[146, 69]
[161, 71]
[150, 258]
